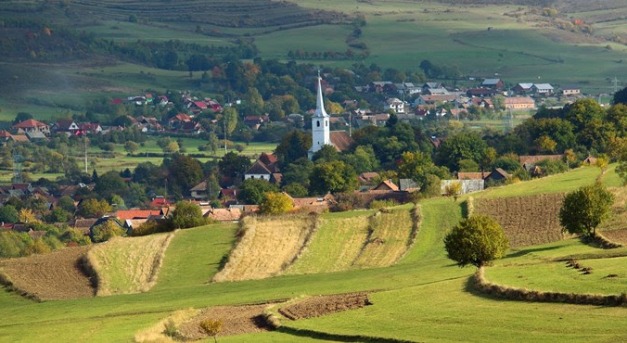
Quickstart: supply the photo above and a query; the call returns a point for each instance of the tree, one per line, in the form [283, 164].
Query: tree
[476, 240]
[252, 191]
[463, 145]
[8, 214]
[131, 147]
[212, 327]
[275, 203]
[453, 189]
[620, 97]
[184, 172]
[110, 183]
[106, 230]
[293, 146]
[584, 209]
[93, 208]
[233, 165]
[186, 215]
[334, 177]
[26, 215]
[229, 120]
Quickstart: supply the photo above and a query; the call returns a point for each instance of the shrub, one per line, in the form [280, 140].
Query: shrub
[476, 240]
[584, 209]
[212, 327]
[379, 204]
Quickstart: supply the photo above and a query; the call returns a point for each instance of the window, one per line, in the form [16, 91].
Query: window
[326, 123]
[317, 123]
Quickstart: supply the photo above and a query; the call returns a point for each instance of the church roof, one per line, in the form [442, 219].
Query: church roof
[320, 112]
[341, 140]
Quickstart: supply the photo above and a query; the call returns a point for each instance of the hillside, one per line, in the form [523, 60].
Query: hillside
[111, 48]
[424, 297]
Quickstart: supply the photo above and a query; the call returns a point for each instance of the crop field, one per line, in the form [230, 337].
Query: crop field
[128, 265]
[49, 277]
[528, 220]
[388, 239]
[336, 244]
[267, 247]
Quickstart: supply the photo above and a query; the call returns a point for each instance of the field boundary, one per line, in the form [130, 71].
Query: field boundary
[314, 225]
[479, 283]
[416, 219]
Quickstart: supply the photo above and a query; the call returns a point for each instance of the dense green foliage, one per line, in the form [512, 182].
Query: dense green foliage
[477, 240]
[187, 214]
[275, 203]
[584, 209]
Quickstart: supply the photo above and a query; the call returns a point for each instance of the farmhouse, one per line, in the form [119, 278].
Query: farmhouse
[395, 105]
[266, 167]
[571, 91]
[542, 89]
[496, 84]
[522, 88]
[519, 103]
[31, 125]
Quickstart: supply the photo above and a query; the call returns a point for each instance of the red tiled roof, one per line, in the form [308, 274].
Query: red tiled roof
[29, 123]
[538, 158]
[136, 214]
[387, 185]
[341, 140]
[472, 175]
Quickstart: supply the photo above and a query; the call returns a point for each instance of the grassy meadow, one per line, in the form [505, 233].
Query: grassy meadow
[424, 297]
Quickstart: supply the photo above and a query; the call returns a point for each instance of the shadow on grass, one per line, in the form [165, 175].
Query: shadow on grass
[337, 337]
[524, 252]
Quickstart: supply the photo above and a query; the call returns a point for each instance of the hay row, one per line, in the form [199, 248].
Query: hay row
[388, 234]
[267, 246]
[416, 220]
[334, 247]
[6, 281]
[481, 284]
[127, 265]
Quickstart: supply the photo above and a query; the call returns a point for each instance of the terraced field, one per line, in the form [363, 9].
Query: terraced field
[128, 265]
[267, 247]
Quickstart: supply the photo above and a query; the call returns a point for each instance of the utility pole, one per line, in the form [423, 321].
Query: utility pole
[85, 152]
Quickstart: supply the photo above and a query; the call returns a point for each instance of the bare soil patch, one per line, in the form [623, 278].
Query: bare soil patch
[323, 305]
[52, 276]
[618, 236]
[236, 320]
[528, 220]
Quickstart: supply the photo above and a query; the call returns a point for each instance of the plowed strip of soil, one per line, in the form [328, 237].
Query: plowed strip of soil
[618, 236]
[51, 276]
[236, 320]
[323, 305]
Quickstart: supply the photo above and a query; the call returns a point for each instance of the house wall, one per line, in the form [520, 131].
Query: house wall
[257, 176]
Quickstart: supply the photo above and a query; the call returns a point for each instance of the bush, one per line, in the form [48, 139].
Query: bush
[379, 204]
[476, 240]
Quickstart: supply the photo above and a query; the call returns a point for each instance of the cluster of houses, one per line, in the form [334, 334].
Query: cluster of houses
[434, 98]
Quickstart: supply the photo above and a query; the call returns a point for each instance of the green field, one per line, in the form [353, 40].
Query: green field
[421, 298]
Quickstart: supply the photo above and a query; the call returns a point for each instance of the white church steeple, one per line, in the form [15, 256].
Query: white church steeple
[319, 124]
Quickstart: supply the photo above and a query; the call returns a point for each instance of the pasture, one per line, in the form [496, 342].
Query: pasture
[423, 297]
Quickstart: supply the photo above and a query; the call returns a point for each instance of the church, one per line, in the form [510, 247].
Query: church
[321, 133]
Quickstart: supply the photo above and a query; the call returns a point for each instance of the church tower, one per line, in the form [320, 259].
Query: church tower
[319, 124]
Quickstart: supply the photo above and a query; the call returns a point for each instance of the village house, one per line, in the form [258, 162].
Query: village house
[67, 126]
[496, 84]
[266, 167]
[571, 91]
[519, 103]
[542, 89]
[522, 89]
[395, 105]
[31, 125]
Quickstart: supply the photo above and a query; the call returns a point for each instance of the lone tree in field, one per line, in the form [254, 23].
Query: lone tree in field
[212, 327]
[476, 240]
[584, 209]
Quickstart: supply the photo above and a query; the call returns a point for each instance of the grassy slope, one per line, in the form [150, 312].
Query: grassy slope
[128, 265]
[424, 298]
[335, 244]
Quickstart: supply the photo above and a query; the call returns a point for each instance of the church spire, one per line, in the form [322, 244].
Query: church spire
[320, 112]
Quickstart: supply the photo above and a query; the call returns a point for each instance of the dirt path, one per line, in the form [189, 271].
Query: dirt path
[51, 276]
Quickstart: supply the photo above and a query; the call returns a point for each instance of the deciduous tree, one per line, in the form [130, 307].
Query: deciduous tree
[275, 203]
[584, 209]
[477, 240]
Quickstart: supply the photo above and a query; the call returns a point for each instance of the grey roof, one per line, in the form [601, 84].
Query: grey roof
[490, 81]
